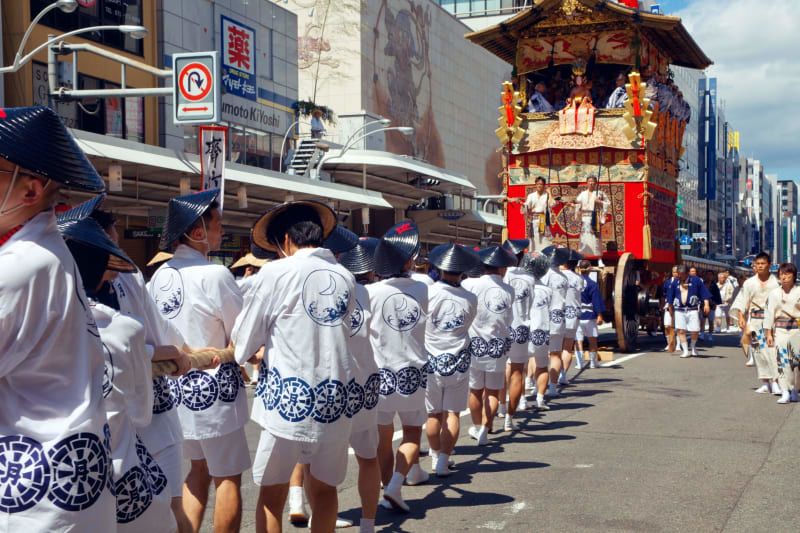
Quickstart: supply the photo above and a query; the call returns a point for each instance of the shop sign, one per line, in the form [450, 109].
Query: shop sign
[238, 59]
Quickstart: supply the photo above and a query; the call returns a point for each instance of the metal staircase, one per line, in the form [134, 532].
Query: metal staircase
[305, 157]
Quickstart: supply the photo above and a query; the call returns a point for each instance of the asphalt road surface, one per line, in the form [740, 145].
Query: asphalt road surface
[650, 442]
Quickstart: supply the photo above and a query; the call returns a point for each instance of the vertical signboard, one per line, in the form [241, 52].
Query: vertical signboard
[195, 88]
[238, 58]
[702, 139]
[711, 146]
[213, 141]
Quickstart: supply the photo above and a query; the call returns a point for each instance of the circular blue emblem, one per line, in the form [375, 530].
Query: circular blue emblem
[168, 292]
[79, 470]
[326, 295]
[450, 316]
[478, 347]
[356, 318]
[163, 400]
[496, 300]
[372, 391]
[24, 473]
[331, 401]
[571, 311]
[355, 398]
[445, 364]
[538, 337]
[155, 476]
[175, 389]
[401, 312]
[199, 390]
[296, 400]
[464, 360]
[497, 348]
[556, 316]
[388, 382]
[228, 377]
[133, 495]
[523, 334]
[272, 389]
[408, 379]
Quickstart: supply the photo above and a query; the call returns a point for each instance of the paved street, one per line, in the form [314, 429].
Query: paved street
[652, 443]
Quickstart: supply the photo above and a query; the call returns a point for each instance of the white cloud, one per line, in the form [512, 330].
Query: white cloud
[755, 46]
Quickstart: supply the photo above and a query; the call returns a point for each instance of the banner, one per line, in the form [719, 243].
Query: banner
[238, 58]
[213, 141]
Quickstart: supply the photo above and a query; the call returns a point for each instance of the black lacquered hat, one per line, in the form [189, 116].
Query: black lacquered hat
[538, 265]
[77, 225]
[261, 228]
[340, 240]
[497, 257]
[361, 258]
[182, 212]
[574, 256]
[478, 270]
[395, 248]
[260, 253]
[35, 139]
[561, 256]
[453, 258]
[516, 246]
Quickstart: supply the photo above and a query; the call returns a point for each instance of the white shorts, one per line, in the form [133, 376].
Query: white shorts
[722, 312]
[365, 443]
[446, 396]
[588, 329]
[407, 418]
[556, 342]
[667, 319]
[518, 353]
[276, 458]
[481, 379]
[225, 456]
[687, 320]
[170, 459]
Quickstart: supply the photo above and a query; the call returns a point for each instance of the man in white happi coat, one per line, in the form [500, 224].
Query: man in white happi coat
[781, 322]
[572, 313]
[539, 325]
[490, 339]
[451, 311]
[518, 355]
[303, 400]
[202, 301]
[400, 307]
[558, 283]
[162, 435]
[536, 209]
[592, 205]
[51, 367]
[751, 306]
[143, 503]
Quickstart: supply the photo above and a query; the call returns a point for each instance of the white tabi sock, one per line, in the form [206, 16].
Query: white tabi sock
[396, 483]
[366, 525]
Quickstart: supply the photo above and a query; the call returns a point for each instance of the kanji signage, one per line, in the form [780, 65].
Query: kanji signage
[213, 140]
[196, 88]
[238, 58]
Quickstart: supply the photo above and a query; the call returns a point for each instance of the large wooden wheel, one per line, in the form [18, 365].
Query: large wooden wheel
[626, 309]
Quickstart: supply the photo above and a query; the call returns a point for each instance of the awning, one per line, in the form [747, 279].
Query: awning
[438, 226]
[152, 176]
[402, 179]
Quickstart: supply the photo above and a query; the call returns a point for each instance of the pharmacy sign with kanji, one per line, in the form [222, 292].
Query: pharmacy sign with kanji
[196, 88]
[238, 58]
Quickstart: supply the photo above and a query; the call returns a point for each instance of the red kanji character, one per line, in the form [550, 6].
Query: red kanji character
[3, 113]
[238, 47]
[404, 228]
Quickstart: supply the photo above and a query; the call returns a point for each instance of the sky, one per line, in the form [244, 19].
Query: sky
[755, 46]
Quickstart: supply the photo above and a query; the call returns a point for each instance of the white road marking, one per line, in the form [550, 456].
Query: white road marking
[495, 526]
[621, 360]
[518, 507]
[583, 466]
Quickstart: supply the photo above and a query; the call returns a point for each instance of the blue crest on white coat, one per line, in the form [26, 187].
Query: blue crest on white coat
[401, 311]
[27, 459]
[521, 289]
[450, 317]
[496, 300]
[79, 472]
[356, 319]
[325, 297]
[168, 291]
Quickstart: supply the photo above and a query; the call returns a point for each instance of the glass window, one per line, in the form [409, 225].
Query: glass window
[238, 144]
[134, 119]
[275, 163]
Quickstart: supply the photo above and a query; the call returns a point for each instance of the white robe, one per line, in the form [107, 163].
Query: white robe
[299, 310]
[536, 206]
[51, 383]
[164, 429]
[572, 300]
[399, 308]
[617, 98]
[523, 283]
[490, 336]
[589, 241]
[451, 311]
[143, 504]
[424, 278]
[539, 324]
[202, 300]
[558, 283]
[363, 389]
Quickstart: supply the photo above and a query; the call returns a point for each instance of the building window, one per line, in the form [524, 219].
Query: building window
[97, 13]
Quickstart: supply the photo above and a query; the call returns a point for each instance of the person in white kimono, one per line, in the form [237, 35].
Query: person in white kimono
[51, 363]
[299, 312]
[592, 205]
[619, 96]
[726, 295]
[451, 312]
[572, 313]
[539, 325]
[162, 436]
[202, 301]
[400, 307]
[143, 503]
[558, 282]
[490, 339]
[750, 307]
[536, 209]
[538, 103]
[518, 355]
[364, 386]
[781, 323]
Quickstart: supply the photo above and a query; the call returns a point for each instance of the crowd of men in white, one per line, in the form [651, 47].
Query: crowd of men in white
[106, 383]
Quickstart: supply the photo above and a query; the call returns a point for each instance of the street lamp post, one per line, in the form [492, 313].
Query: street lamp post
[283, 143]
